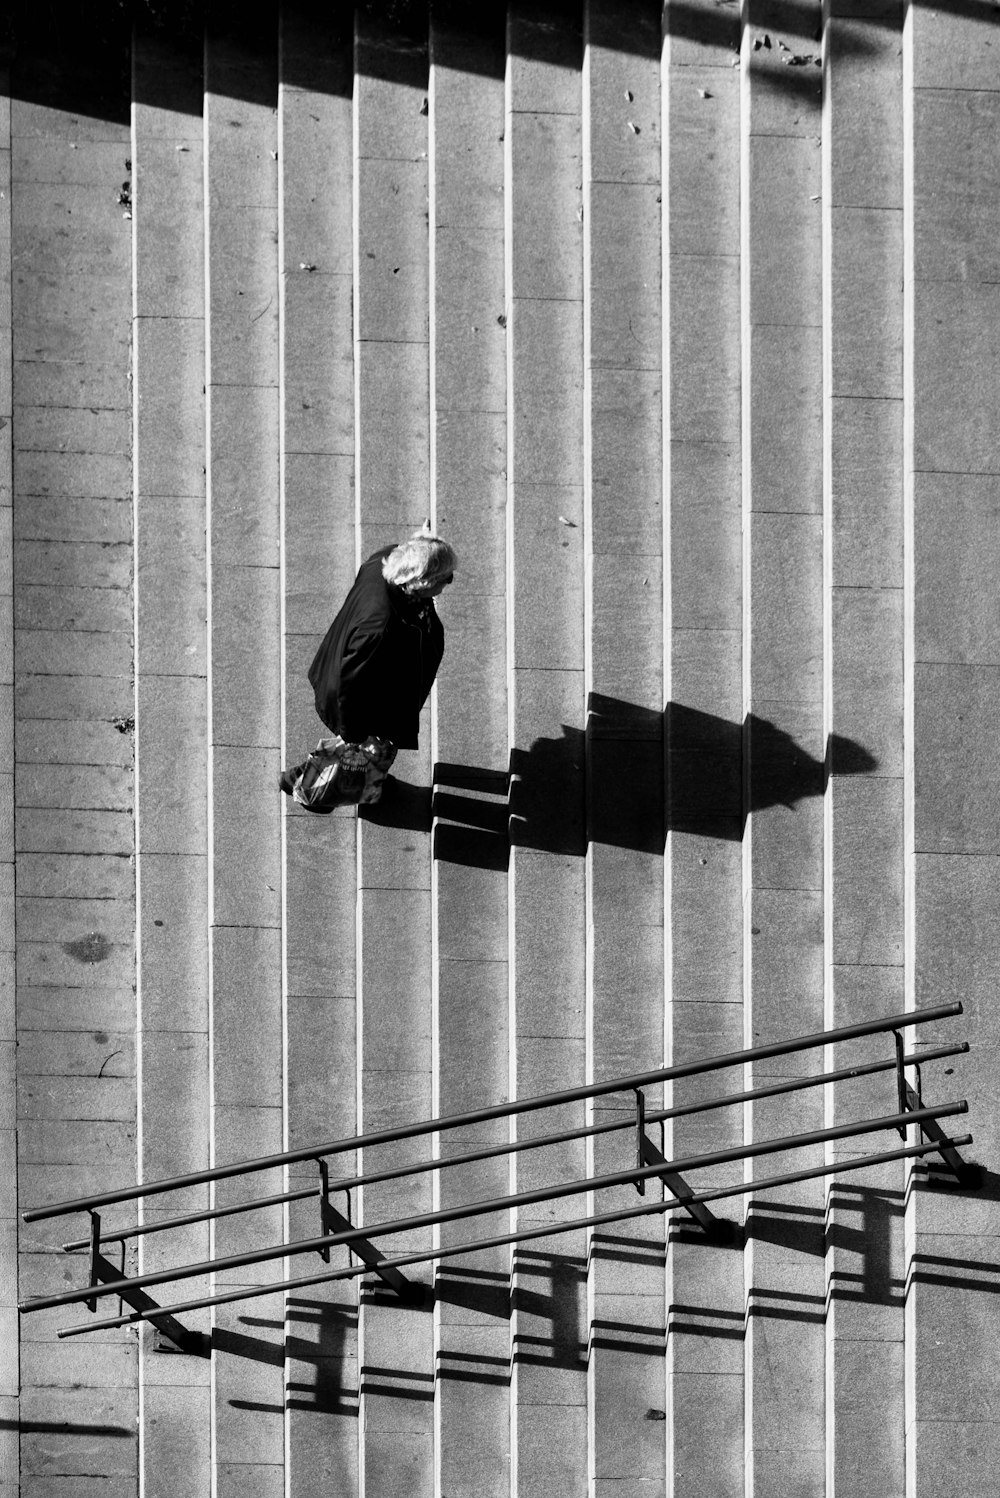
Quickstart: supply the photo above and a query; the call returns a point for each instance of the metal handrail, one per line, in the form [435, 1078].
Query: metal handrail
[497, 1110]
[549, 1230]
[470, 1157]
[499, 1204]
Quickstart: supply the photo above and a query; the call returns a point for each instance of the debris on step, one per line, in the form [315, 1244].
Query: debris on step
[704, 94]
[304, 265]
[424, 106]
[182, 148]
[629, 95]
[502, 320]
[570, 523]
[633, 127]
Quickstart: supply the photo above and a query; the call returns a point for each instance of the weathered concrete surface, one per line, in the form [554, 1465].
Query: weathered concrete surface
[866, 684]
[624, 518]
[171, 600]
[9, 1368]
[553, 363]
[955, 135]
[783, 688]
[242, 377]
[395, 974]
[470, 892]
[543, 142]
[66, 257]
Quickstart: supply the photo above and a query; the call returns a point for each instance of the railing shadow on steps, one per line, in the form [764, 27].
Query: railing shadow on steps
[649, 1166]
[626, 780]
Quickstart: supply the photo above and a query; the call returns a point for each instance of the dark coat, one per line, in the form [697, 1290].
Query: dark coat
[375, 668]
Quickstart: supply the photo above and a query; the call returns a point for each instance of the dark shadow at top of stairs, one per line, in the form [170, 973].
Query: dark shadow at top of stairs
[75, 55]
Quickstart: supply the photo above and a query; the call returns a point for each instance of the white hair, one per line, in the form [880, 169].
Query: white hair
[419, 563]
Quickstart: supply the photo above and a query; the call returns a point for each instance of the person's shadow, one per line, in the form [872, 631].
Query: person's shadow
[626, 779]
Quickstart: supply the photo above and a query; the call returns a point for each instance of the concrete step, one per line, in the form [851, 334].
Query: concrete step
[863, 241]
[69, 1114]
[9, 1368]
[704, 664]
[623, 518]
[951, 467]
[782, 459]
[316, 266]
[543, 140]
[468, 364]
[172, 790]
[243, 566]
[395, 985]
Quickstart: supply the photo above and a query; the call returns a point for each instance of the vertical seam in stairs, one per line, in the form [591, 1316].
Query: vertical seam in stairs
[666, 481]
[282, 739]
[139, 1141]
[210, 746]
[359, 832]
[909, 868]
[508, 160]
[746, 608]
[666, 614]
[587, 517]
[435, 1141]
[11, 1016]
[826, 233]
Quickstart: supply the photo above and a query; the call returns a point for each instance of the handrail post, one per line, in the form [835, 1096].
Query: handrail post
[121, 1271]
[366, 1251]
[169, 1330]
[324, 1202]
[95, 1253]
[347, 1199]
[931, 1130]
[900, 1081]
[640, 1136]
[716, 1227]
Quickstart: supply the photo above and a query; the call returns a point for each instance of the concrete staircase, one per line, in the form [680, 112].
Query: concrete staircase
[684, 328]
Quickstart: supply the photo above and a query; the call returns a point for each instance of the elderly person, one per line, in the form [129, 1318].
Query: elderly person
[375, 671]
[376, 666]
